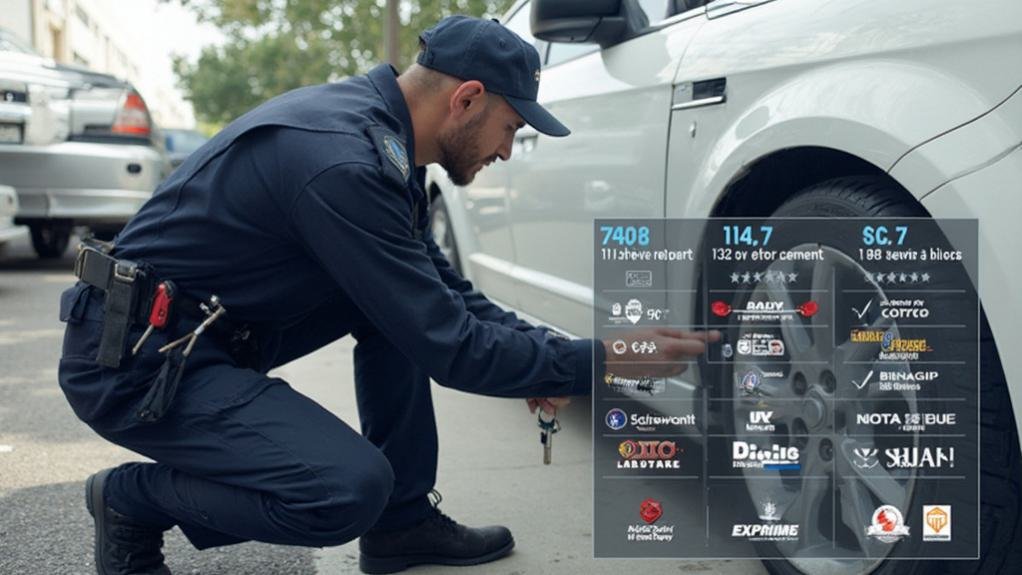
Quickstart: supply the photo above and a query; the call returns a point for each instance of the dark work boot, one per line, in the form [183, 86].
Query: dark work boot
[123, 546]
[438, 539]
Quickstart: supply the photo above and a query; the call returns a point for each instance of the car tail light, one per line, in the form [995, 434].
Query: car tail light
[133, 117]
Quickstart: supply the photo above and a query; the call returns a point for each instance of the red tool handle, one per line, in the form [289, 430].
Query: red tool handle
[161, 305]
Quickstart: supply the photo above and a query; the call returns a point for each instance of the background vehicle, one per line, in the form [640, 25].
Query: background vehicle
[8, 207]
[78, 146]
[180, 143]
[761, 107]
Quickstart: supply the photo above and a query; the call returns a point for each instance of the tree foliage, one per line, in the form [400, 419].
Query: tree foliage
[273, 46]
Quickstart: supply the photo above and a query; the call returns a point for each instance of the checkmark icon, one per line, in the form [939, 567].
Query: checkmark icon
[864, 310]
[865, 381]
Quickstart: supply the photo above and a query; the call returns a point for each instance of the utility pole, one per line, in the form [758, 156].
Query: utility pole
[392, 34]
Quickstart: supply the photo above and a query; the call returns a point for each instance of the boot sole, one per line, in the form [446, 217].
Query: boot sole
[93, 502]
[382, 565]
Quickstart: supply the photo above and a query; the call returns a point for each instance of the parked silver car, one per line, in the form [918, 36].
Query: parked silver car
[79, 147]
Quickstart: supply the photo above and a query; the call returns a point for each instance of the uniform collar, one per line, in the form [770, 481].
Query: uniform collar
[384, 79]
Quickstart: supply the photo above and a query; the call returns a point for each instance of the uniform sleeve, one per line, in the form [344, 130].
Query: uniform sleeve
[475, 302]
[357, 223]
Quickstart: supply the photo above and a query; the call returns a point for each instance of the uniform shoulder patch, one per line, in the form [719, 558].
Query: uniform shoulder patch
[391, 149]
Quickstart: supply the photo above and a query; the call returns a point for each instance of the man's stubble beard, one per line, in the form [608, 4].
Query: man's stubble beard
[459, 151]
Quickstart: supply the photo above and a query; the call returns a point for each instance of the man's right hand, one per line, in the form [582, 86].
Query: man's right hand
[668, 351]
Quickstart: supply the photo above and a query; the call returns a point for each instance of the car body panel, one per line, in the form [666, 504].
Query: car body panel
[612, 165]
[873, 80]
[87, 182]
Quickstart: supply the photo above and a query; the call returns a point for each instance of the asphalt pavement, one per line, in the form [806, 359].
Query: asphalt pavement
[490, 467]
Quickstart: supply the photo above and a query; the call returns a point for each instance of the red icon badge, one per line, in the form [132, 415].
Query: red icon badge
[720, 308]
[809, 308]
[650, 510]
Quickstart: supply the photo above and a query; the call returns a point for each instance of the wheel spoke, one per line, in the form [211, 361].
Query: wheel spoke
[856, 513]
[823, 286]
[809, 504]
[793, 333]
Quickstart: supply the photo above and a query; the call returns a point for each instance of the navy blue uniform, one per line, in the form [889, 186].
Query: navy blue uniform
[308, 219]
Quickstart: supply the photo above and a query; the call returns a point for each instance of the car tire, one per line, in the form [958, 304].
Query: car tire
[1001, 459]
[443, 233]
[50, 240]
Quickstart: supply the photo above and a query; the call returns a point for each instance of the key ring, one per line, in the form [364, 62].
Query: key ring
[551, 426]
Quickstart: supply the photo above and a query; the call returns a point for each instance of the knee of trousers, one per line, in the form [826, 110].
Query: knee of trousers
[357, 491]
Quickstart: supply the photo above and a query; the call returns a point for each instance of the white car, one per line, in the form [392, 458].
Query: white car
[688, 109]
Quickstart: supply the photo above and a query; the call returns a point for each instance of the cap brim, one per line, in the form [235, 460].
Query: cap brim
[537, 116]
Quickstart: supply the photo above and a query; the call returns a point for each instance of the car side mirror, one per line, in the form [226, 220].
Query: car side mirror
[602, 22]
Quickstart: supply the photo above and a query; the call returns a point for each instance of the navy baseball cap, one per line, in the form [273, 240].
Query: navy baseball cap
[477, 49]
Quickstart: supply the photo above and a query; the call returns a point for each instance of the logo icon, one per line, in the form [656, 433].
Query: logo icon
[641, 384]
[760, 421]
[620, 346]
[750, 383]
[887, 525]
[936, 523]
[650, 510]
[769, 530]
[616, 308]
[633, 311]
[720, 308]
[648, 454]
[808, 309]
[396, 153]
[638, 278]
[776, 458]
[726, 351]
[865, 458]
[744, 347]
[920, 457]
[769, 512]
[616, 419]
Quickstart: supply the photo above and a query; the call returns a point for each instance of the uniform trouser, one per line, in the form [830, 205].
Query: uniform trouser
[242, 456]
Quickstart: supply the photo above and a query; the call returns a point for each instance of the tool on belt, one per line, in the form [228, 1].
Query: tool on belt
[133, 296]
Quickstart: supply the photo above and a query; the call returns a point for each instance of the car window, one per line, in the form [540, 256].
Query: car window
[519, 24]
[656, 10]
[184, 141]
[560, 51]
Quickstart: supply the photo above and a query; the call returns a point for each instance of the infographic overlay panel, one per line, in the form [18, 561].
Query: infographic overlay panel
[836, 416]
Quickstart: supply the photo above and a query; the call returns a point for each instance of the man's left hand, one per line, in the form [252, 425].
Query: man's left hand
[549, 405]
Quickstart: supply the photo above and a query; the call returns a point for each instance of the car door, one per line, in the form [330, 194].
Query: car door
[488, 247]
[617, 103]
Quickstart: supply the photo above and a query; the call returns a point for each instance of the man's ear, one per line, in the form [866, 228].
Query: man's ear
[467, 99]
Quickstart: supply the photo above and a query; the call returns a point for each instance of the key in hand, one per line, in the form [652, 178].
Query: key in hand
[546, 435]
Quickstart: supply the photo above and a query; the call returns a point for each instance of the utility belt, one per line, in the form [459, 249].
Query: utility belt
[134, 297]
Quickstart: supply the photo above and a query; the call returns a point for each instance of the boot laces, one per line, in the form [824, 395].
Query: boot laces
[439, 517]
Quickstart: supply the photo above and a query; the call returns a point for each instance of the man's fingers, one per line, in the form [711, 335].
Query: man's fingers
[683, 347]
[709, 336]
[559, 401]
[532, 405]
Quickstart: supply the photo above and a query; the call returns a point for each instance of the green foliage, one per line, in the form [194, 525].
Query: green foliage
[273, 46]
